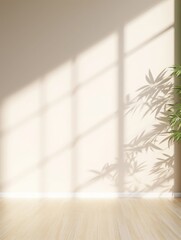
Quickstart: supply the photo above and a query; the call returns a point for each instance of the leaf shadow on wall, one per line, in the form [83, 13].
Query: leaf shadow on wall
[154, 99]
[43, 40]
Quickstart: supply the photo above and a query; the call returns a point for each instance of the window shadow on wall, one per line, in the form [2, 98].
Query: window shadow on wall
[38, 37]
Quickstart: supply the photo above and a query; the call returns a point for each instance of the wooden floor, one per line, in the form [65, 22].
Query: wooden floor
[139, 219]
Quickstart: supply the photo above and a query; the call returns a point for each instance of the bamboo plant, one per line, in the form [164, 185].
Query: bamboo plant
[174, 113]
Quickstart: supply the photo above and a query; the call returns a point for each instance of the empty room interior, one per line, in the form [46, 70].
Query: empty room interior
[90, 119]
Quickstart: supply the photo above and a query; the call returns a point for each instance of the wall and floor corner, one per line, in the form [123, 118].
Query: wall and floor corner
[72, 120]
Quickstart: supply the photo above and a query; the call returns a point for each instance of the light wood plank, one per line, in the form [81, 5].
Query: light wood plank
[121, 219]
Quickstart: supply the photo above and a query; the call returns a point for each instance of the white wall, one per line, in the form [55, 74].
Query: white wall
[69, 70]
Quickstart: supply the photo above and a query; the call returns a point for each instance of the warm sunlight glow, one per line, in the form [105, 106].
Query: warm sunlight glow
[72, 120]
[56, 173]
[97, 100]
[56, 127]
[149, 24]
[57, 84]
[95, 60]
[148, 49]
[58, 132]
[97, 151]
[20, 106]
[20, 153]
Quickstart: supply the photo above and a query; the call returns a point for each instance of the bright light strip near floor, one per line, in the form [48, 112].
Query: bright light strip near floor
[79, 195]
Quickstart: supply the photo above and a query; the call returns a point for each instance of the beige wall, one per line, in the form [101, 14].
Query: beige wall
[69, 73]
